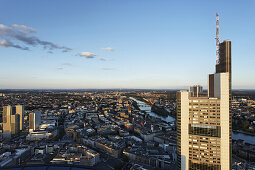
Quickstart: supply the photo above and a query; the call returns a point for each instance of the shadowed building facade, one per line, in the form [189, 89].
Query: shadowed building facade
[204, 124]
[34, 120]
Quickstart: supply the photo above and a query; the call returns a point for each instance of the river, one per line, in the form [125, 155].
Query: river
[147, 108]
[246, 138]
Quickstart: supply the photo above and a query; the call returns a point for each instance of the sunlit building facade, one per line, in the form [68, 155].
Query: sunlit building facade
[20, 112]
[204, 124]
[13, 118]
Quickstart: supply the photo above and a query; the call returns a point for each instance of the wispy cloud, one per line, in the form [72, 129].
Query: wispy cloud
[102, 59]
[67, 64]
[108, 68]
[5, 43]
[87, 55]
[23, 28]
[108, 49]
[64, 66]
[24, 34]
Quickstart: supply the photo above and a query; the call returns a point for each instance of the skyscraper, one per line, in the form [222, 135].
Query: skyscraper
[20, 112]
[7, 112]
[34, 120]
[195, 90]
[15, 120]
[204, 124]
[11, 120]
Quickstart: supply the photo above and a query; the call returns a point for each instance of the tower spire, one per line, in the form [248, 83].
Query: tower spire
[217, 39]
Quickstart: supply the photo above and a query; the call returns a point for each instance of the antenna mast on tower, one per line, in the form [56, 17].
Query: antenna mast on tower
[217, 39]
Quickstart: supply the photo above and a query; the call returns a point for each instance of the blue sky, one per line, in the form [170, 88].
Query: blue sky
[122, 44]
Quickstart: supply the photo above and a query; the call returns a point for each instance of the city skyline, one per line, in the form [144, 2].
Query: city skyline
[113, 44]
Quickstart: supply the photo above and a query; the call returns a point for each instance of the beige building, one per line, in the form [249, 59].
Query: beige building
[15, 120]
[195, 90]
[12, 119]
[7, 112]
[20, 112]
[204, 123]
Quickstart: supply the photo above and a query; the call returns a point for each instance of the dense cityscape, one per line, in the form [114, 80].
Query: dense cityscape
[105, 129]
[127, 85]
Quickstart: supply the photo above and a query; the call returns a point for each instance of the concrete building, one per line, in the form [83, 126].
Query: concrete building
[39, 135]
[20, 112]
[195, 90]
[7, 112]
[34, 120]
[11, 120]
[204, 123]
[15, 120]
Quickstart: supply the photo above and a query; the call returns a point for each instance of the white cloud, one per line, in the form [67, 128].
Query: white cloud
[24, 28]
[107, 49]
[87, 55]
[24, 34]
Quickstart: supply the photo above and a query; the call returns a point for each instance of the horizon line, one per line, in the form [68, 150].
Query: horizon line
[111, 89]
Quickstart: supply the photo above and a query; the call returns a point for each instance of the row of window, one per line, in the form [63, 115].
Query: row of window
[203, 166]
[204, 131]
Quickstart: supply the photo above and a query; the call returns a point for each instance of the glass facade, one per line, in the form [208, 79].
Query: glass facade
[210, 131]
[199, 166]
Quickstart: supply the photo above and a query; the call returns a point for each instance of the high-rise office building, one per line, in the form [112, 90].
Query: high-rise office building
[7, 112]
[20, 112]
[34, 120]
[204, 124]
[15, 120]
[195, 90]
[11, 120]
